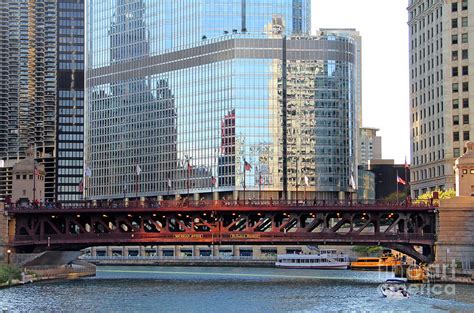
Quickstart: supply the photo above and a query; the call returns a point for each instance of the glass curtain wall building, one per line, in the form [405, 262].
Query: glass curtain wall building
[42, 89]
[180, 95]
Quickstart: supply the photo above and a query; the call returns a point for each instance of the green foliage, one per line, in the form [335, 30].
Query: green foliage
[8, 272]
[368, 250]
[443, 194]
[374, 250]
[402, 194]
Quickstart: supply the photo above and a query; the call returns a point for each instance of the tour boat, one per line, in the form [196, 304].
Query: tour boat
[324, 259]
[386, 262]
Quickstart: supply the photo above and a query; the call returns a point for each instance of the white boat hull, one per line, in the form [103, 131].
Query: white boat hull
[327, 266]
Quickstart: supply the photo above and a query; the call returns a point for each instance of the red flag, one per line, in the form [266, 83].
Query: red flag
[261, 180]
[401, 181]
[190, 168]
[247, 166]
[37, 173]
[406, 164]
[213, 181]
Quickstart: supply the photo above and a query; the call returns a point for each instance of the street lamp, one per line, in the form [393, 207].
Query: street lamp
[9, 252]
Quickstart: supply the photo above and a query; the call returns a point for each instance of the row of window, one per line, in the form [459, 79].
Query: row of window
[455, 6]
[455, 55]
[455, 38]
[25, 177]
[465, 103]
[464, 71]
[430, 157]
[428, 173]
[455, 24]
[465, 87]
[464, 133]
[465, 119]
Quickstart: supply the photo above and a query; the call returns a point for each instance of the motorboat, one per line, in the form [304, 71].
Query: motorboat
[394, 289]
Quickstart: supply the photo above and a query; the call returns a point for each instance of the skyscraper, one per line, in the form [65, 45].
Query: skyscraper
[440, 57]
[42, 89]
[231, 97]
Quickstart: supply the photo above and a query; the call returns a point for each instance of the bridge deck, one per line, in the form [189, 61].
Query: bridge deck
[224, 222]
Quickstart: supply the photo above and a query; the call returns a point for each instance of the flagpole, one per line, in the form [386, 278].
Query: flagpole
[136, 187]
[304, 191]
[296, 197]
[244, 180]
[397, 186]
[34, 181]
[406, 178]
[259, 187]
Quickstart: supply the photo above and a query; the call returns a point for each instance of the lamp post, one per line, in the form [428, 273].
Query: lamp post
[9, 252]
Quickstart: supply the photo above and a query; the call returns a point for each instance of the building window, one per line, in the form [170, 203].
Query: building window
[456, 136]
[18, 176]
[465, 119]
[464, 5]
[455, 103]
[454, 55]
[464, 38]
[456, 120]
[464, 54]
[465, 135]
[24, 176]
[471, 171]
[454, 39]
[456, 152]
[455, 71]
[455, 87]
[454, 7]
[454, 23]
[465, 70]
[464, 22]
[24, 192]
[465, 102]
[464, 171]
[465, 86]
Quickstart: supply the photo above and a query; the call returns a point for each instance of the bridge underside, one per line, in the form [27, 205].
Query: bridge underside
[408, 230]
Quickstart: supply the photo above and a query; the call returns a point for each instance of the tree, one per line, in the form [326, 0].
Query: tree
[368, 250]
[443, 194]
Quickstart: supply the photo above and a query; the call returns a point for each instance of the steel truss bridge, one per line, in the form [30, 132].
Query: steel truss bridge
[410, 229]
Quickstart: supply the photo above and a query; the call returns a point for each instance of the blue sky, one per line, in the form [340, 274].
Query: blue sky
[385, 75]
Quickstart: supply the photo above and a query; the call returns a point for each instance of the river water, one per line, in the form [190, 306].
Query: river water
[219, 289]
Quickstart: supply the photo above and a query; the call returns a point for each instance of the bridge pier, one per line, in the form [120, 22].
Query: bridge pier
[455, 232]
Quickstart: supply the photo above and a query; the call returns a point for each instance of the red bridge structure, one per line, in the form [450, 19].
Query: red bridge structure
[410, 229]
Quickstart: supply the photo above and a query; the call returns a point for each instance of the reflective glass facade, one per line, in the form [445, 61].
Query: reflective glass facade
[200, 108]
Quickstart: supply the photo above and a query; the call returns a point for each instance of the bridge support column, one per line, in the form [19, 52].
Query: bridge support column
[455, 232]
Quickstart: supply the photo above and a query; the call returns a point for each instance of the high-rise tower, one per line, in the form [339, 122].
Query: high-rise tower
[440, 60]
[42, 89]
[181, 95]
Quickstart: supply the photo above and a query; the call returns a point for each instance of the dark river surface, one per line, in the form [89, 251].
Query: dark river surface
[222, 289]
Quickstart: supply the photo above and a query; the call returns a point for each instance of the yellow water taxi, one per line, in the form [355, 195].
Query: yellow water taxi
[385, 262]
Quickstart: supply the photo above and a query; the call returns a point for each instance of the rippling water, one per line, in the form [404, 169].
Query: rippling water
[197, 289]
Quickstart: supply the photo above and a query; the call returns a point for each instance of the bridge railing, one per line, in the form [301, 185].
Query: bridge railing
[186, 203]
